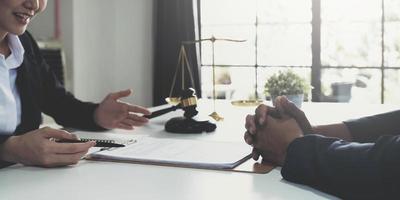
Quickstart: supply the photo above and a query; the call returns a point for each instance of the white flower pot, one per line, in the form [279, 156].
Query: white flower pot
[297, 99]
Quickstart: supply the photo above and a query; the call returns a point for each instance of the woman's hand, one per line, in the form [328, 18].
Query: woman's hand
[39, 148]
[113, 113]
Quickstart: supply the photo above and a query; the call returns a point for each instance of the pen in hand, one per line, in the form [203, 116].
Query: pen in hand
[99, 143]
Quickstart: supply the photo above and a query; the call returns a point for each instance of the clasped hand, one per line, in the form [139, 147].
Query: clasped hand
[271, 129]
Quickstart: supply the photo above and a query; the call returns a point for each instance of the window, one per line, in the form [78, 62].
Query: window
[351, 55]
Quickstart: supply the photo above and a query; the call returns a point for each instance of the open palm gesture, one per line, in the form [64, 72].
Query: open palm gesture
[113, 113]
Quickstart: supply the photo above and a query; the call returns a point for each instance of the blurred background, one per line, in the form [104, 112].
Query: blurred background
[348, 50]
[107, 45]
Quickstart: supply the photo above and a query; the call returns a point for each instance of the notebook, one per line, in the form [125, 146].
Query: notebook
[178, 152]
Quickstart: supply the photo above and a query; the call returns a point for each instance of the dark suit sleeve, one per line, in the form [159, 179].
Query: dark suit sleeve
[64, 107]
[56, 101]
[369, 129]
[348, 170]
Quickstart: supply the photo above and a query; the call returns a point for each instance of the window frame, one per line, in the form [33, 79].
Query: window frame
[316, 64]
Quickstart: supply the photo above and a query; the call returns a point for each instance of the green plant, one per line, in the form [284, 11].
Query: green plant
[286, 83]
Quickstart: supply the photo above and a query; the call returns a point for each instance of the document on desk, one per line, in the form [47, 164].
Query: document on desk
[179, 152]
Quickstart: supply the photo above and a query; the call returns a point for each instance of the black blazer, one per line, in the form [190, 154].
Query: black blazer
[368, 168]
[40, 91]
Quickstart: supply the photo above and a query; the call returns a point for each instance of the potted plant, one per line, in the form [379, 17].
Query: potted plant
[289, 84]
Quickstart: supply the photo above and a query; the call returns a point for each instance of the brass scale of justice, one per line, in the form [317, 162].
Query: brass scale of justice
[188, 100]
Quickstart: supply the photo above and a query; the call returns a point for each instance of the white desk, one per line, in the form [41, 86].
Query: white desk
[104, 180]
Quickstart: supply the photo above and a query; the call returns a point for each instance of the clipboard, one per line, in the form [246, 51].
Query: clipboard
[185, 153]
[256, 167]
[249, 166]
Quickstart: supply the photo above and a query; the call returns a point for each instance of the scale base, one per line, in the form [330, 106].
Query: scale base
[187, 125]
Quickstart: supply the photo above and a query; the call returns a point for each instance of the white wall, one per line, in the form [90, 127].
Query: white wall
[109, 46]
[42, 25]
[94, 48]
[134, 28]
[67, 39]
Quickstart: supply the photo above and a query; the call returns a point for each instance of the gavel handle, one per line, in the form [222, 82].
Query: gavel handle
[161, 112]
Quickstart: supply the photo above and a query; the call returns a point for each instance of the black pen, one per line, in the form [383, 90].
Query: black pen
[99, 143]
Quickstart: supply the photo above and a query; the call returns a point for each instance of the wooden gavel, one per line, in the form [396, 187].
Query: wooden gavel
[188, 102]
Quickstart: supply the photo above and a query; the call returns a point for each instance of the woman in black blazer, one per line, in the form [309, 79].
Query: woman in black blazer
[35, 90]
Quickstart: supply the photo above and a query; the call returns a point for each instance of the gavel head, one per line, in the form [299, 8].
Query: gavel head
[189, 102]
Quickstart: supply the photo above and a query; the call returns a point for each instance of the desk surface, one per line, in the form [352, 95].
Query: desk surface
[103, 180]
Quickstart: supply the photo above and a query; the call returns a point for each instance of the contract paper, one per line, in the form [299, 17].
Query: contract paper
[179, 152]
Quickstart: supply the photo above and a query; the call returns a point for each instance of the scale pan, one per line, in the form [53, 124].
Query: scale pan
[247, 103]
[216, 116]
